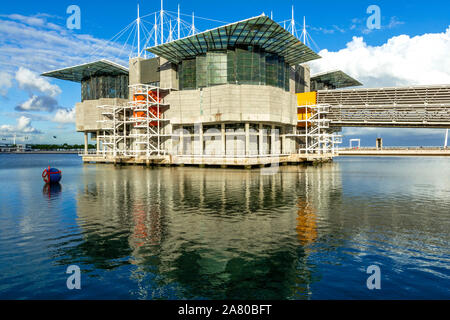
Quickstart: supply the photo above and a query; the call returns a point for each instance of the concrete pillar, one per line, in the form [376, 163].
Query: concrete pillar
[261, 139]
[181, 146]
[200, 138]
[247, 139]
[85, 142]
[223, 135]
[125, 133]
[283, 140]
[379, 144]
[98, 142]
[273, 140]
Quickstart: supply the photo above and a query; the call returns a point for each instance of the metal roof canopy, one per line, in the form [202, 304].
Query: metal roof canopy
[80, 72]
[336, 78]
[258, 31]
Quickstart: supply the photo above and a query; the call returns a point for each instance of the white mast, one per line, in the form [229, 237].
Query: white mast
[156, 31]
[162, 23]
[178, 21]
[304, 30]
[170, 30]
[193, 23]
[293, 22]
[138, 20]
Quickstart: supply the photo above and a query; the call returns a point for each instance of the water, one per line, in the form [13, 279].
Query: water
[175, 233]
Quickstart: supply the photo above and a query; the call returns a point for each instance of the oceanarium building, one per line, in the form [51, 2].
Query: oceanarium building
[235, 95]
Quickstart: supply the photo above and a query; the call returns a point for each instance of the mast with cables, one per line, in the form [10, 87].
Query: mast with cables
[293, 22]
[138, 20]
[178, 22]
[304, 30]
[162, 22]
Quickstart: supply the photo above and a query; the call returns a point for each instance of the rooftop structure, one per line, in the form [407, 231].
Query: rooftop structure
[84, 71]
[336, 79]
[260, 32]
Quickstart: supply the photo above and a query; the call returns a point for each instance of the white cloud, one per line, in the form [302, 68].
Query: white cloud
[23, 126]
[39, 45]
[65, 116]
[30, 20]
[31, 81]
[38, 103]
[401, 61]
[5, 83]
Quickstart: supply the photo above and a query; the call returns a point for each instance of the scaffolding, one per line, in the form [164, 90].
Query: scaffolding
[313, 130]
[139, 128]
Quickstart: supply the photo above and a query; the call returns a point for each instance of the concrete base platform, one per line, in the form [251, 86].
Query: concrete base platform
[223, 162]
[396, 152]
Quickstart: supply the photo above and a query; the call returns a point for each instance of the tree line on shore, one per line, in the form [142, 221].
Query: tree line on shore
[65, 146]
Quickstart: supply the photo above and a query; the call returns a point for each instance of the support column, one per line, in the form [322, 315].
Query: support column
[98, 142]
[247, 139]
[200, 138]
[85, 142]
[446, 139]
[181, 147]
[273, 140]
[261, 139]
[224, 141]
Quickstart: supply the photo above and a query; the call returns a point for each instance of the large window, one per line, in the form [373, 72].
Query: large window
[104, 87]
[243, 65]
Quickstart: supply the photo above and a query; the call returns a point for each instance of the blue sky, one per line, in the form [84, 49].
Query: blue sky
[33, 35]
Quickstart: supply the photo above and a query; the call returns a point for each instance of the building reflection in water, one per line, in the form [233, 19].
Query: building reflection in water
[306, 223]
[204, 233]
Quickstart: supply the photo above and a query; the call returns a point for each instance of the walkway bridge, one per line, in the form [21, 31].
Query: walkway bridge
[419, 107]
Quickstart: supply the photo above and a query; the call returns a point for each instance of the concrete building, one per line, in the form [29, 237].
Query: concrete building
[227, 96]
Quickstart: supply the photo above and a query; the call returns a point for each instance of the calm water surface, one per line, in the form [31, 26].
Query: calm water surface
[174, 233]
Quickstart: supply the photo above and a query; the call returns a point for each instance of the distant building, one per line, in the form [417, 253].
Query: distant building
[15, 148]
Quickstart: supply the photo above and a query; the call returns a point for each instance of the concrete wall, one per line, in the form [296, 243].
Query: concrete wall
[232, 103]
[87, 114]
[307, 75]
[168, 75]
[144, 71]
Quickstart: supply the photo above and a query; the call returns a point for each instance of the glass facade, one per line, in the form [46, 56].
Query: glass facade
[104, 87]
[247, 65]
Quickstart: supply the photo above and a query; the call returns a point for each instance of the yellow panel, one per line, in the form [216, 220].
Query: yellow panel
[307, 98]
[303, 115]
